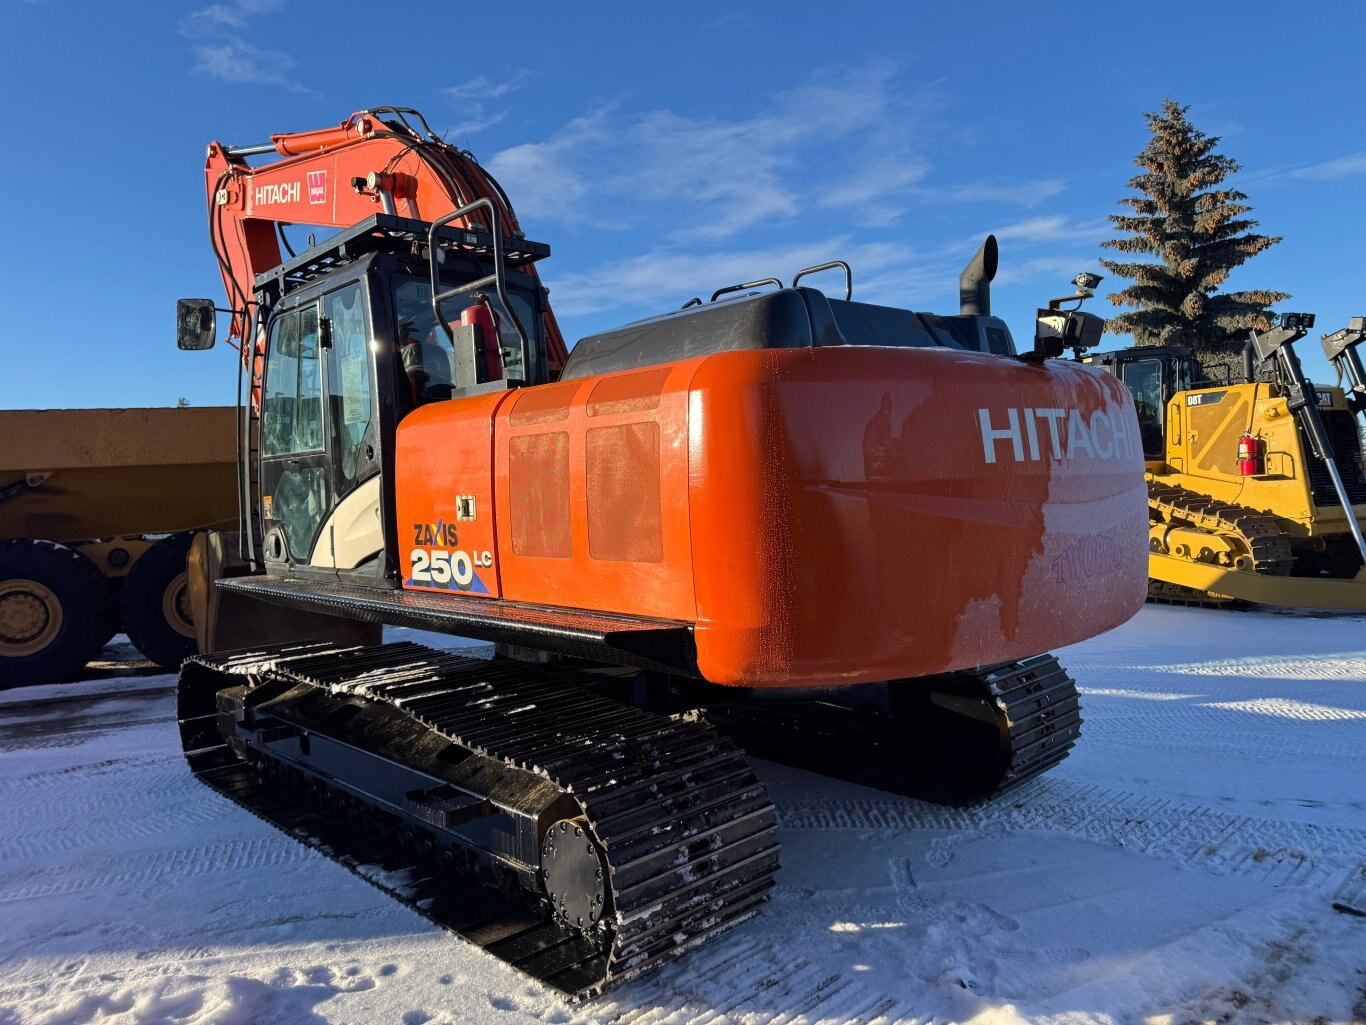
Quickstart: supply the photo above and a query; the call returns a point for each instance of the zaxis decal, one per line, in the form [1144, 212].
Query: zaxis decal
[438, 533]
[436, 567]
[432, 564]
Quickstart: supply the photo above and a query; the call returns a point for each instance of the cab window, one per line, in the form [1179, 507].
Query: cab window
[292, 407]
[348, 376]
[1144, 378]
[426, 354]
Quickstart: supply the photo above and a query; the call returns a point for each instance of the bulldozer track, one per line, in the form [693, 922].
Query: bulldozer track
[687, 831]
[970, 736]
[1266, 542]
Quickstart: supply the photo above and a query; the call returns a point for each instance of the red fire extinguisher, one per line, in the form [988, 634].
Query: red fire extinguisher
[1250, 456]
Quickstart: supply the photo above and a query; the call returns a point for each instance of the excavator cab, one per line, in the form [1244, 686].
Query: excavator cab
[358, 333]
[1154, 374]
[353, 336]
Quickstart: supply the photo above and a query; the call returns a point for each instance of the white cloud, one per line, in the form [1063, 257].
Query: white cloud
[215, 17]
[1034, 229]
[697, 177]
[483, 88]
[1345, 165]
[543, 178]
[666, 278]
[1057, 269]
[888, 273]
[1026, 193]
[1053, 228]
[471, 126]
[841, 166]
[1327, 170]
[472, 99]
[244, 63]
[224, 55]
[854, 144]
[877, 179]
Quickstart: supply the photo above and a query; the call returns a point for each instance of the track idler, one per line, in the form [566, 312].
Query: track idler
[574, 870]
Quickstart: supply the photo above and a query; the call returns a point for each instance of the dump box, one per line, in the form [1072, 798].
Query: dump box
[97, 509]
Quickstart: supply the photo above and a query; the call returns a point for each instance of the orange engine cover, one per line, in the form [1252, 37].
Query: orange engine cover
[820, 515]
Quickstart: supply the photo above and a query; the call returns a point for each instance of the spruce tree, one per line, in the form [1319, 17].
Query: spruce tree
[1198, 232]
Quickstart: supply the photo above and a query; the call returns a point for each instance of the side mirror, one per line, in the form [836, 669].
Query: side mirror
[1057, 330]
[196, 326]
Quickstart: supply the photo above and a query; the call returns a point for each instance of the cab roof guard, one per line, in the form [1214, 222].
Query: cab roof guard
[390, 233]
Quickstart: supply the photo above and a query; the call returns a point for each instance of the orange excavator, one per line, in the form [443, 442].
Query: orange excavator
[839, 534]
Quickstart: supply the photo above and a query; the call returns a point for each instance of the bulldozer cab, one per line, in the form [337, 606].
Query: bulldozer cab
[1155, 374]
[358, 333]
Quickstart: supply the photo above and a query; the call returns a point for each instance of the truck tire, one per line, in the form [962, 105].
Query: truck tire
[54, 610]
[156, 603]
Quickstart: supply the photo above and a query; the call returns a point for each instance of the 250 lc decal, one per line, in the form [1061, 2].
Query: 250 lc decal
[456, 570]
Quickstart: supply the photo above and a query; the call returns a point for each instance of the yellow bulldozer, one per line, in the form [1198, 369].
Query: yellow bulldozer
[1256, 487]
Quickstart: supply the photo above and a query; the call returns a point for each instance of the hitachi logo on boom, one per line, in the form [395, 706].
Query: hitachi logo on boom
[1034, 434]
[283, 192]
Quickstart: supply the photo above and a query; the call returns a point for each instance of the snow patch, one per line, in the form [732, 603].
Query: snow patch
[1178, 867]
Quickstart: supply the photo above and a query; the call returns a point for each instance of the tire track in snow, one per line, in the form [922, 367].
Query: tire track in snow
[145, 788]
[128, 820]
[16, 704]
[1219, 730]
[150, 866]
[760, 983]
[1245, 845]
[1346, 665]
[48, 735]
[1156, 729]
[1303, 724]
[1290, 708]
[162, 798]
[75, 778]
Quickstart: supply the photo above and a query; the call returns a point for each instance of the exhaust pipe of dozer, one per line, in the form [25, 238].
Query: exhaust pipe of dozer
[974, 284]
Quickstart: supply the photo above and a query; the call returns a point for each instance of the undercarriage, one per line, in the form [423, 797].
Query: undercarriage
[577, 838]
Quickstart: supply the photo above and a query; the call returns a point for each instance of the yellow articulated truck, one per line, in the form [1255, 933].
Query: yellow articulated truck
[97, 512]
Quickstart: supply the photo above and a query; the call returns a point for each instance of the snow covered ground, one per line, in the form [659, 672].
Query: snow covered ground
[1177, 868]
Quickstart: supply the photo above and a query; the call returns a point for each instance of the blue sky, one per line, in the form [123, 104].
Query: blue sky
[663, 151]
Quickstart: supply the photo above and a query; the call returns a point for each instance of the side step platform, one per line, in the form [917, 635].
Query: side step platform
[666, 645]
[580, 841]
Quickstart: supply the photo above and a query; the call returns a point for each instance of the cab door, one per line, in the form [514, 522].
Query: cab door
[296, 471]
[351, 536]
[321, 483]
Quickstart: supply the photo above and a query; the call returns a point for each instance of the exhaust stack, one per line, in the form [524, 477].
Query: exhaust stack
[974, 284]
